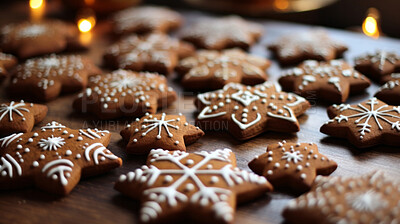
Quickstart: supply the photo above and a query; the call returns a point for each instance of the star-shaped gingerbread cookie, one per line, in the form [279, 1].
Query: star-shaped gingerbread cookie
[331, 81]
[366, 124]
[390, 91]
[371, 198]
[154, 53]
[28, 39]
[204, 185]
[20, 116]
[54, 158]
[247, 111]
[213, 69]
[146, 19]
[7, 61]
[378, 65]
[124, 93]
[292, 166]
[314, 44]
[221, 33]
[45, 78]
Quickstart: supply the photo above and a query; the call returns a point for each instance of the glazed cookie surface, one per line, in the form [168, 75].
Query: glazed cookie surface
[54, 158]
[390, 91]
[379, 65]
[212, 69]
[7, 61]
[204, 185]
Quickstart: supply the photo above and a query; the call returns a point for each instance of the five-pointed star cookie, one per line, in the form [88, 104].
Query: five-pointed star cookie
[54, 158]
[371, 198]
[221, 33]
[332, 81]
[20, 116]
[366, 124]
[292, 166]
[154, 53]
[390, 91]
[7, 61]
[45, 78]
[212, 69]
[170, 132]
[30, 39]
[247, 111]
[204, 185]
[378, 65]
[124, 93]
[146, 19]
[315, 44]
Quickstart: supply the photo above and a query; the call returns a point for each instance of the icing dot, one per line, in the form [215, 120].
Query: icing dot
[78, 156]
[79, 138]
[176, 142]
[214, 179]
[269, 172]
[35, 164]
[122, 178]
[71, 136]
[54, 177]
[135, 140]
[65, 132]
[168, 178]
[189, 187]
[68, 152]
[158, 136]
[276, 165]
[42, 156]
[209, 166]
[299, 167]
[3, 173]
[35, 134]
[189, 162]
[21, 160]
[27, 150]
[103, 158]
[19, 147]
[303, 176]
[30, 140]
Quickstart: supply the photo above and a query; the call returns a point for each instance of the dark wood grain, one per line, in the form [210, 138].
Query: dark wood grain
[94, 200]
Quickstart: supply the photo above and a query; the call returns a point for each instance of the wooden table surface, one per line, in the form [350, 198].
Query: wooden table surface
[95, 201]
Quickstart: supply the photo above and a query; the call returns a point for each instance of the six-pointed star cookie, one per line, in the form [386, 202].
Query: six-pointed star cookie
[371, 198]
[7, 61]
[30, 39]
[366, 124]
[170, 132]
[390, 91]
[332, 81]
[221, 33]
[315, 44]
[292, 166]
[154, 53]
[146, 19]
[213, 69]
[124, 93]
[204, 185]
[378, 65]
[54, 158]
[20, 116]
[247, 111]
[46, 78]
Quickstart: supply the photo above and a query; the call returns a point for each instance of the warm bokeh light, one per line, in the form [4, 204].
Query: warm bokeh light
[281, 4]
[85, 25]
[370, 25]
[35, 4]
[90, 2]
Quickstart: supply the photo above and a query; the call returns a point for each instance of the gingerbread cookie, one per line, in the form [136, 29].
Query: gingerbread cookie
[366, 124]
[390, 91]
[331, 81]
[20, 116]
[314, 44]
[154, 53]
[292, 166]
[202, 185]
[30, 39]
[54, 158]
[212, 69]
[146, 19]
[379, 65]
[170, 132]
[45, 78]
[247, 111]
[124, 93]
[371, 198]
[221, 33]
[7, 61]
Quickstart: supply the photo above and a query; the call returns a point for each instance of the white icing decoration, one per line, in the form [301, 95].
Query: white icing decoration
[160, 124]
[296, 156]
[60, 167]
[9, 139]
[99, 151]
[12, 108]
[92, 133]
[245, 126]
[7, 166]
[53, 125]
[369, 201]
[51, 143]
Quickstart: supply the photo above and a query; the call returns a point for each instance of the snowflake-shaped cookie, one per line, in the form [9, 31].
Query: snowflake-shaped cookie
[366, 124]
[371, 198]
[7, 61]
[212, 69]
[124, 93]
[146, 19]
[54, 158]
[221, 33]
[390, 91]
[46, 78]
[154, 53]
[247, 111]
[332, 81]
[20, 116]
[170, 132]
[28, 39]
[314, 44]
[378, 65]
[177, 183]
[292, 166]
